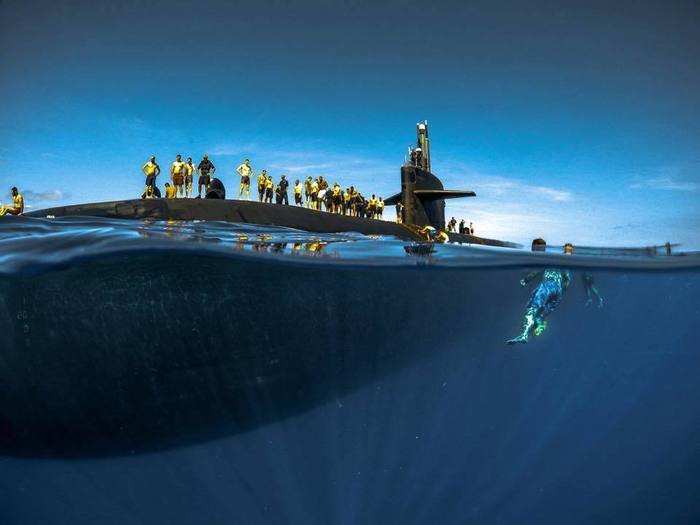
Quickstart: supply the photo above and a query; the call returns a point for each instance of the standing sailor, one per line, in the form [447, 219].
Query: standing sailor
[298, 191]
[269, 189]
[177, 175]
[283, 185]
[189, 173]
[262, 182]
[151, 170]
[205, 168]
[245, 171]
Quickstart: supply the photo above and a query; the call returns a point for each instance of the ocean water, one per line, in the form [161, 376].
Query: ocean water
[160, 372]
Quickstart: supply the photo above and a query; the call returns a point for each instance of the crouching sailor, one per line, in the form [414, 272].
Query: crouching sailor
[17, 207]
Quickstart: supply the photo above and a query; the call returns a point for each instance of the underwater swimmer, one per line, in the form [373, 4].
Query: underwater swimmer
[547, 296]
[543, 301]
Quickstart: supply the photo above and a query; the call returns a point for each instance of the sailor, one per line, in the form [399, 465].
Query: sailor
[169, 191]
[336, 198]
[322, 183]
[313, 195]
[17, 207]
[346, 201]
[327, 199]
[282, 187]
[262, 182]
[418, 162]
[399, 212]
[380, 207]
[372, 206]
[428, 232]
[149, 193]
[177, 175]
[471, 229]
[461, 226]
[452, 224]
[245, 171]
[307, 190]
[189, 173]
[298, 191]
[151, 170]
[205, 168]
[441, 237]
[269, 189]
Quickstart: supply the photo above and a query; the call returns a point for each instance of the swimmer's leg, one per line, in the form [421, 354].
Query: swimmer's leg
[530, 322]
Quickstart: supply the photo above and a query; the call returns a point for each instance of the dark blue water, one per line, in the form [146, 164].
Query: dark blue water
[213, 373]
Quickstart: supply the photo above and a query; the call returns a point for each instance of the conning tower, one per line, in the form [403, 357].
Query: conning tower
[422, 193]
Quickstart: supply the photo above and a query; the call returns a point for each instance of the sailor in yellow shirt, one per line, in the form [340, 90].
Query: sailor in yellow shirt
[372, 207]
[17, 207]
[346, 201]
[336, 198]
[380, 207]
[442, 237]
[262, 182]
[177, 175]
[189, 173]
[269, 189]
[169, 191]
[298, 190]
[315, 204]
[151, 170]
[245, 171]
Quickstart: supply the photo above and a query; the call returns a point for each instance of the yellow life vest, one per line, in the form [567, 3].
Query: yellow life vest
[177, 167]
[149, 168]
[297, 189]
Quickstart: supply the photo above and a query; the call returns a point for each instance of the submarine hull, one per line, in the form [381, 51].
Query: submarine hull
[251, 212]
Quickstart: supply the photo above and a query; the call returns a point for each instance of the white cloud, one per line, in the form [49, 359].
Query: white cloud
[665, 184]
[44, 196]
[234, 149]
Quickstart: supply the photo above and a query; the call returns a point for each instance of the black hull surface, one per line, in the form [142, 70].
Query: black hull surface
[134, 353]
[247, 212]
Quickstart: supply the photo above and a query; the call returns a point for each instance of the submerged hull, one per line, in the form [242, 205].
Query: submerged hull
[247, 212]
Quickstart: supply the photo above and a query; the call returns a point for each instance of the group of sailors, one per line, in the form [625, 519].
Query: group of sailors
[181, 178]
[313, 193]
[462, 228]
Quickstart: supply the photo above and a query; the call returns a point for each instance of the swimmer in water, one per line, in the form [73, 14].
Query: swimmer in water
[547, 297]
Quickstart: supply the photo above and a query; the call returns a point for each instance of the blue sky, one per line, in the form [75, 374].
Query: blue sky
[576, 123]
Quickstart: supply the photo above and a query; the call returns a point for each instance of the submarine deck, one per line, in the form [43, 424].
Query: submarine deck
[251, 212]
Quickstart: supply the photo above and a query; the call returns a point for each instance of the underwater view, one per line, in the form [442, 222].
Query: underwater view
[206, 372]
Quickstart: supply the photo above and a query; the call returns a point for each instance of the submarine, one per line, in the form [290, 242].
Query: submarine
[132, 353]
[422, 196]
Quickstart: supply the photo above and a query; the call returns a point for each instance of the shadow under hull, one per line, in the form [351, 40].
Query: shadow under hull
[130, 354]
